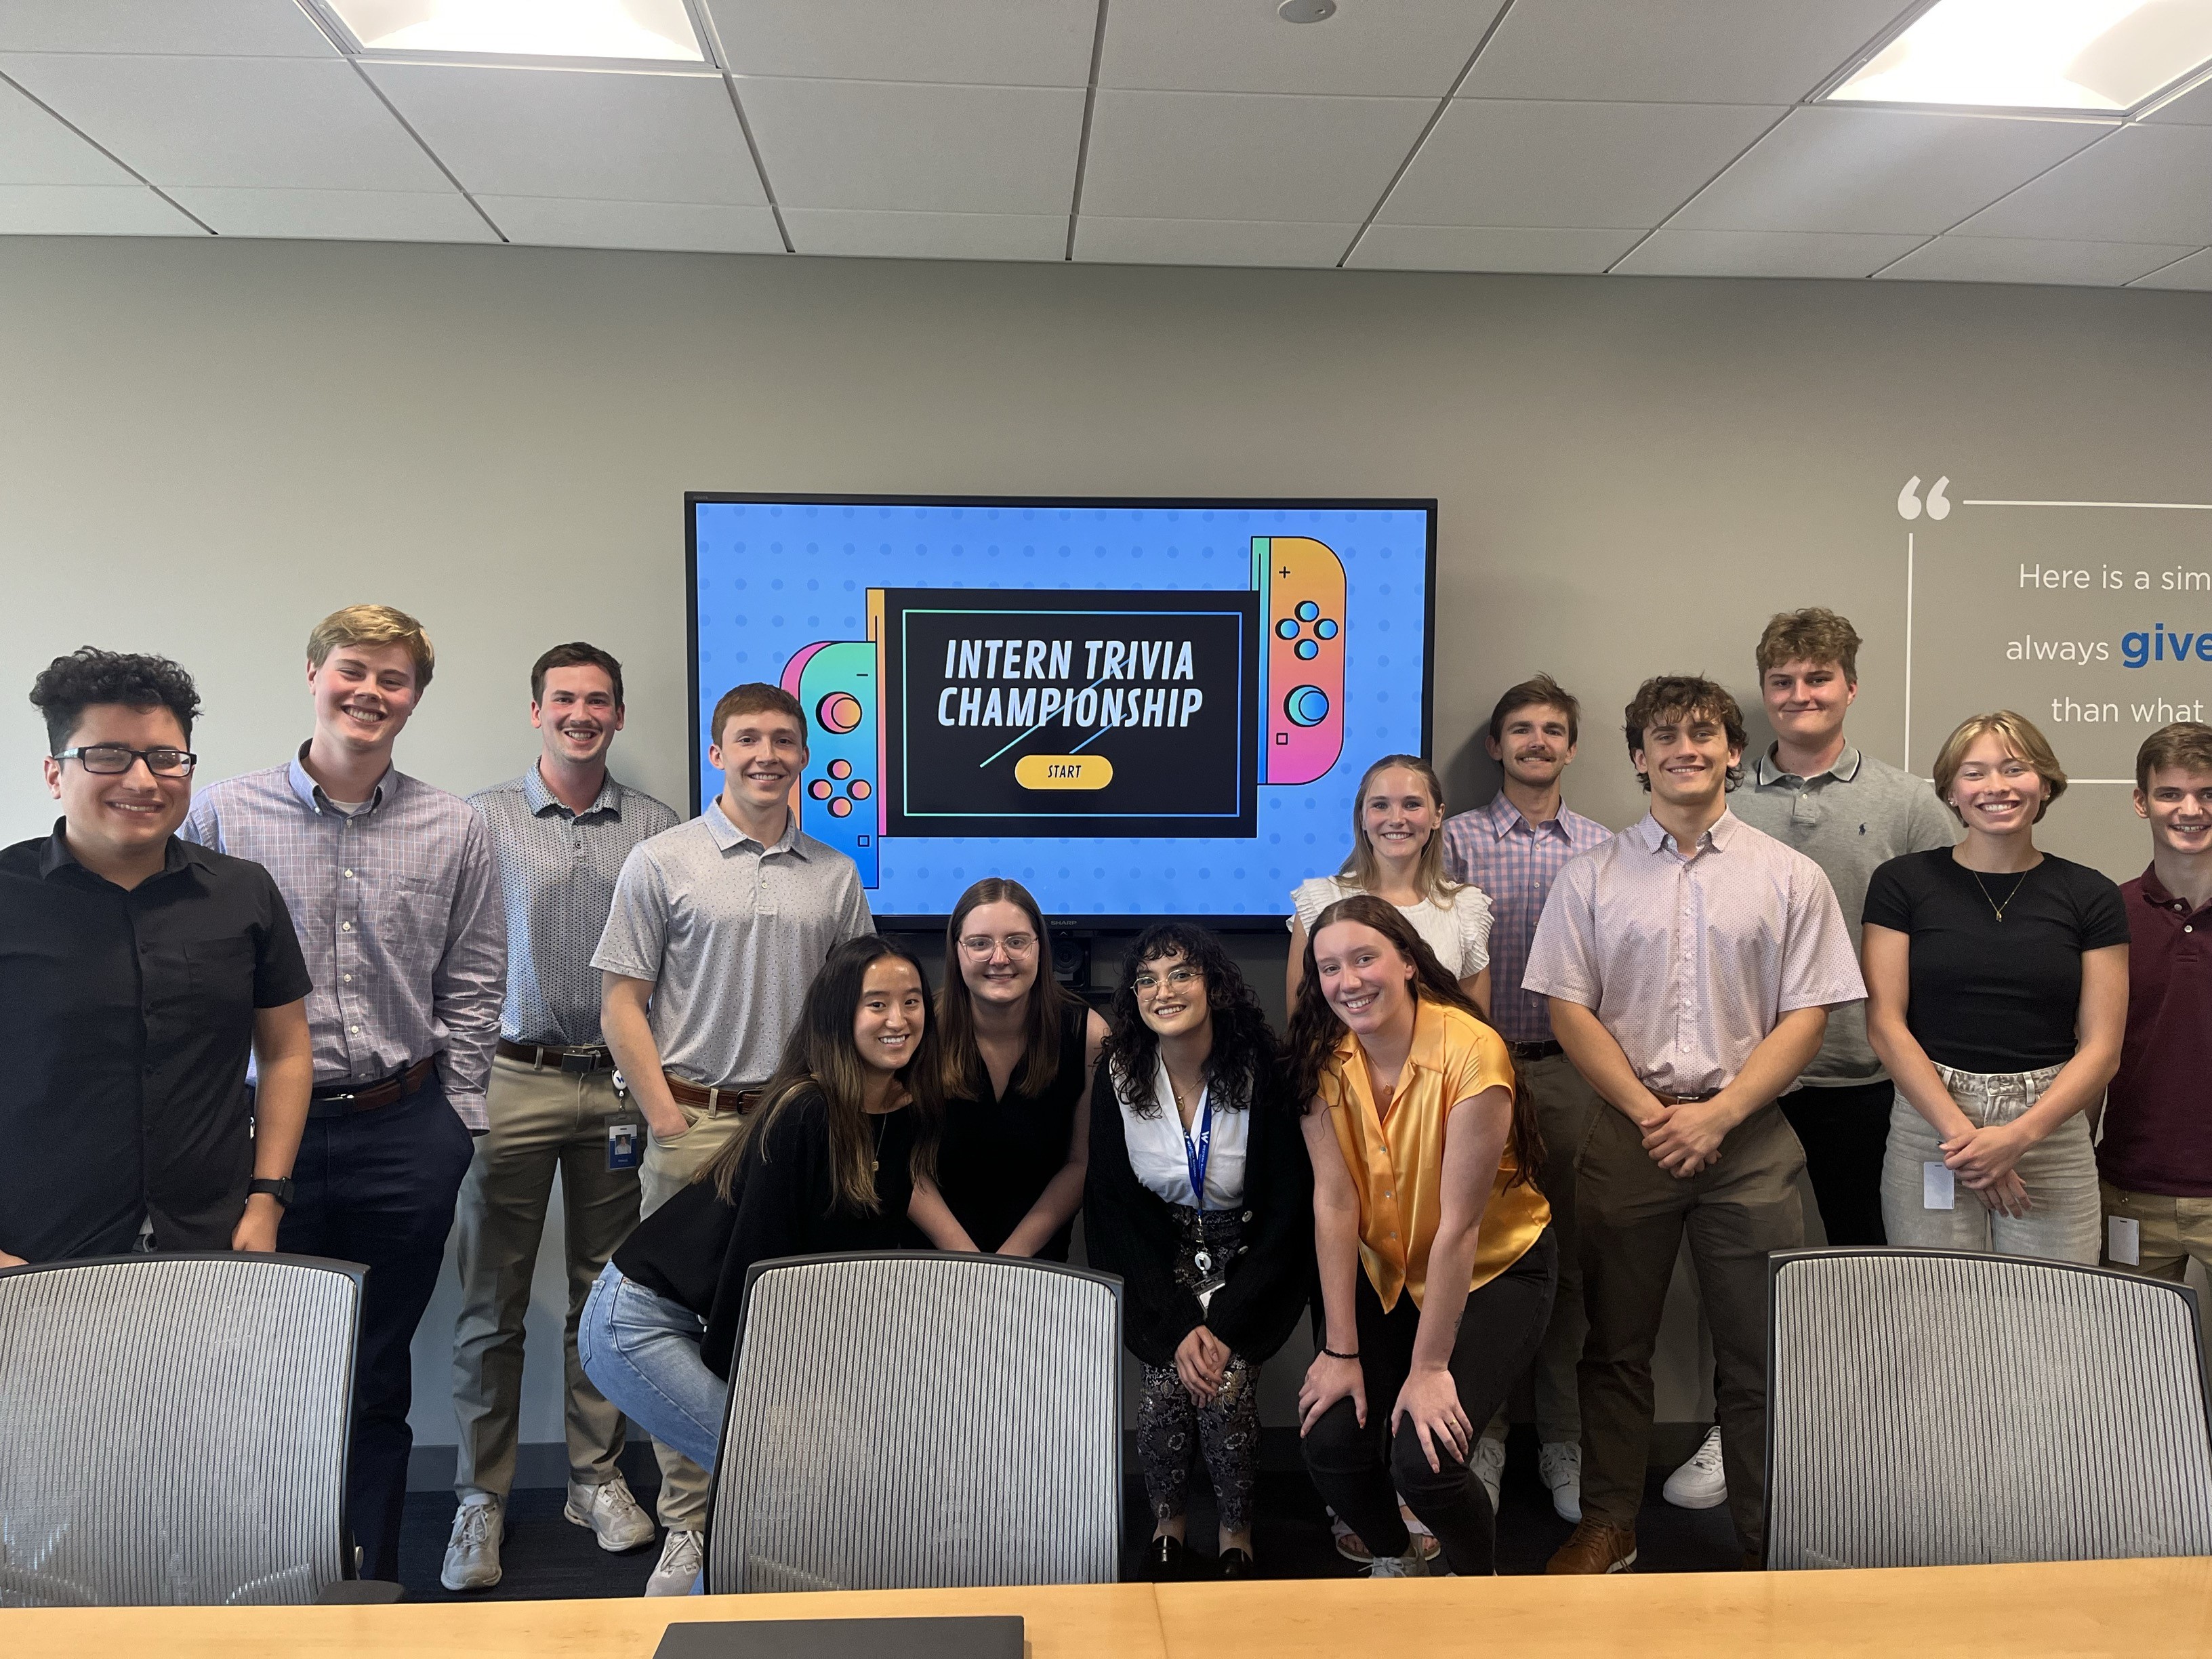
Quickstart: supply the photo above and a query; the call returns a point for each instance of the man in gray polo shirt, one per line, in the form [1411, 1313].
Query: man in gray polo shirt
[718, 927]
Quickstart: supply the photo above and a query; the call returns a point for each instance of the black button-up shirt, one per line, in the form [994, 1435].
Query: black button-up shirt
[127, 1019]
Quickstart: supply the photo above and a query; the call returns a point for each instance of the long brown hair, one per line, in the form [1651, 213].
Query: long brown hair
[1315, 1030]
[963, 1072]
[821, 1058]
[1360, 869]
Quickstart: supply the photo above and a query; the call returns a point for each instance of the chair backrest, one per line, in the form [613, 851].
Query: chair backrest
[1939, 1408]
[173, 1430]
[920, 1419]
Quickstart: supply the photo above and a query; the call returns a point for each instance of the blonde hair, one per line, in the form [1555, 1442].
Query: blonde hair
[2021, 738]
[1360, 870]
[373, 624]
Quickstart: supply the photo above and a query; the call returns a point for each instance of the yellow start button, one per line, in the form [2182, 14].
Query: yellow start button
[1063, 771]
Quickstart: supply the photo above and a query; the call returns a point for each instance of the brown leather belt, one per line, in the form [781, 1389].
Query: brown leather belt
[337, 1099]
[539, 1056]
[718, 1102]
[1683, 1100]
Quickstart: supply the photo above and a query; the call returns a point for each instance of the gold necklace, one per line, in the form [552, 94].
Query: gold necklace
[1999, 909]
[875, 1158]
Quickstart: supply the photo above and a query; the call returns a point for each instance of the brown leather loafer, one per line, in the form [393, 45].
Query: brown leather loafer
[1596, 1547]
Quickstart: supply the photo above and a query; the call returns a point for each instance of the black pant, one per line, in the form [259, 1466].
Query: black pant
[1845, 1131]
[377, 1187]
[1356, 1468]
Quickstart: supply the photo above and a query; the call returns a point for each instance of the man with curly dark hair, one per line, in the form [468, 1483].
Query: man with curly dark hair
[136, 973]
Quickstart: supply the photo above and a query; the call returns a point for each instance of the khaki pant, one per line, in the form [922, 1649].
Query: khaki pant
[542, 1119]
[668, 1169]
[2173, 1230]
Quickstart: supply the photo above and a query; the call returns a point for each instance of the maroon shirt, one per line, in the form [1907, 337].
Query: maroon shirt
[2158, 1115]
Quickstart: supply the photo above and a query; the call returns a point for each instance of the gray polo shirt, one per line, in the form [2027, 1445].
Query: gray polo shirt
[731, 933]
[1859, 813]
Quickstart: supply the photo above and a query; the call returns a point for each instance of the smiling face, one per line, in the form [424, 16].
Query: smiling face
[1362, 977]
[1805, 701]
[363, 694]
[1686, 756]
[578, 714]
[1397, 814]
[998, 952]
[761, 752]
[125, 815]
[1535, 748]
[894, 1008]
[1996, 791]
[2179, 805]
[1172, 996]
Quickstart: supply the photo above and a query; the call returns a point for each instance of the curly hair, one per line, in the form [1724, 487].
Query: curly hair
[1241, 1062]
[88, 676]
[1667, 697]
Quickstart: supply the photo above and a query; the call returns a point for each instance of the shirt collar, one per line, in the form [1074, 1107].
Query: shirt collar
[541, 799]
[1426, 1051]
[1845, 768]
[1502, 815]
[311, 795]
[727, 836]
[2153, 888]
[57, 854]
[1723, 831]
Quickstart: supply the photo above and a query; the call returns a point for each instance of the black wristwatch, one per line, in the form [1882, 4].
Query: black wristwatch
[280, 1189]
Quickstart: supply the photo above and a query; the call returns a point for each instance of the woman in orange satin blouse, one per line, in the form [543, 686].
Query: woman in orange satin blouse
[1438, 1260]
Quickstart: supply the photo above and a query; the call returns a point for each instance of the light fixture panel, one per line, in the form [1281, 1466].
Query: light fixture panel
[2094, 57]
[653, 31]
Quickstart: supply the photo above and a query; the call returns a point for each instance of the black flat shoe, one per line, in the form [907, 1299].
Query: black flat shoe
[1234, 1564]
[1168, 1561]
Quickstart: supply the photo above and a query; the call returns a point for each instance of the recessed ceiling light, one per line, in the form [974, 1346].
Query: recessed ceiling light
[1306, 11]
[651, 29]
[2106, 55]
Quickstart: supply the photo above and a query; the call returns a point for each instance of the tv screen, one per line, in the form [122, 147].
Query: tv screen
[1138, 708]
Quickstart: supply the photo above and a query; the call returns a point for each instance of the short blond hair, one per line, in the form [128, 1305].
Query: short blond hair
[2018, 734]
[373, 624]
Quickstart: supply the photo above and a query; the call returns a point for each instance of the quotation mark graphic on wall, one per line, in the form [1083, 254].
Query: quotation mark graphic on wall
[1908, 503]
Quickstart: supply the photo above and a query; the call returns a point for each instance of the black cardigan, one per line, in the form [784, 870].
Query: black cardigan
[1131, 1231]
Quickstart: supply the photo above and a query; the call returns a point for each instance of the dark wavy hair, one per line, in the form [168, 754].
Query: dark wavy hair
[1243, 1061]
[1669, 697]
[1315, 1030]
[87, 676]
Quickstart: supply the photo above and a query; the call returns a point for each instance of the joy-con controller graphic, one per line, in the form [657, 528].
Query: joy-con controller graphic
[1302, 592]
[839, 798]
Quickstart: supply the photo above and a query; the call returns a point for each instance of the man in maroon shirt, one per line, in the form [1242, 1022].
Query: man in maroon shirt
[2155, 1159]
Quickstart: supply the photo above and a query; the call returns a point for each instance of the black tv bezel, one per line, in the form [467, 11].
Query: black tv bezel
[1241, 923]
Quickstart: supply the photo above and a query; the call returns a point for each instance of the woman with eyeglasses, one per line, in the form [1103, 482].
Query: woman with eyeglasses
[1200, 1197]
[1018, 1051]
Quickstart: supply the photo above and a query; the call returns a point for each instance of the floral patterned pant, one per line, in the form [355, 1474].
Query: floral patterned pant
[1171, 1425]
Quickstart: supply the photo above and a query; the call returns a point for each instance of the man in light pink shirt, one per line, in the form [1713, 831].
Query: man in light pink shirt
[1691, 963]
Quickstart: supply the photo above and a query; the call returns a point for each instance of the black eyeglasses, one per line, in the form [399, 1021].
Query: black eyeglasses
[112, 759]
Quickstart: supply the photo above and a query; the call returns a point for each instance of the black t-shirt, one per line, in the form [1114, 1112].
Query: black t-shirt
[1001, 1152]
[695, 1249]
[1989, 995]
[127, 1019]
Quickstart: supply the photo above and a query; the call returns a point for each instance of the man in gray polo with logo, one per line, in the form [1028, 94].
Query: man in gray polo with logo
[717, 928]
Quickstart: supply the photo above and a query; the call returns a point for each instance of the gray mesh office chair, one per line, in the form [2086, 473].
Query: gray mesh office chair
[173, 1430]
[919, 1419]
[1941, 1408]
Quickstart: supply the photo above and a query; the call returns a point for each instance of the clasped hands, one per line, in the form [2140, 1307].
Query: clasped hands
[1984, 1161]
[1201, 1361]
[1686, 1139]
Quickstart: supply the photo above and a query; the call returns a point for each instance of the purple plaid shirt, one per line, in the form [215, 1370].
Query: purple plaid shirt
[1513, 861]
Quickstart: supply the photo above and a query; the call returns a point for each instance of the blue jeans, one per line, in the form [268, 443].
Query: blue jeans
[642, 1351]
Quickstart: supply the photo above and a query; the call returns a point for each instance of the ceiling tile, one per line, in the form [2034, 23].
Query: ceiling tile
[682, 227]
[927, 235]
[1682, 52]
[1022, 43]
[2194, 272]
[89, 211]
[1450, 247]
[892, 146]
[1209, 242]
[602, 136]
[2192, 108]
[1671, 253]
[1509, 162]
[1242, 155]
[339, 215]
[2017, 260]
[37, 149]
[1894, 172]
[1373, 48]
[2143, 184]
[217, 28]
[267, 123]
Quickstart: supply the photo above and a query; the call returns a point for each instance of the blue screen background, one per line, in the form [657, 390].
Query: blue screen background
[775, 576]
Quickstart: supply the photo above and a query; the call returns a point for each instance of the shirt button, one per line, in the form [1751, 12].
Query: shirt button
[348, 875]
[353, 1030]
[347, 978]
[345, 927]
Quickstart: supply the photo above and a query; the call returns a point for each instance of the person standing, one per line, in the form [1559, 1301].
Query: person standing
[715, 929]
[137, 972]
[1512, 850]
[1997, 996]
[559, 836]
[2154, 1159]
[391, 886]
[1691, 962]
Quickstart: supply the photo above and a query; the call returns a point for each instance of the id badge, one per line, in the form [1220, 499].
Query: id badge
[1937, 1188]
[623, 1150]
[2123, 1241]
[1210, 1279]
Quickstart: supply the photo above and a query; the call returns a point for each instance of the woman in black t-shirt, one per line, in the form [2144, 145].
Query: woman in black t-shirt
[1997, 995]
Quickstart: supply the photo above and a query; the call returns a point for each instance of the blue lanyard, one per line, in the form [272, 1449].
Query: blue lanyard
[1196, 1157]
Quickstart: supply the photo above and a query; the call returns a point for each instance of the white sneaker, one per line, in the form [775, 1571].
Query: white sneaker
[1411, 1564]
[1489, 1461]
[1701, 1483]
[611, 1513]
[679, 1565]
[473, 1553]
[1559, 1465]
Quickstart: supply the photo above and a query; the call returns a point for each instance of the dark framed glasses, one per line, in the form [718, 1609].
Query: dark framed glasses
[112, 759]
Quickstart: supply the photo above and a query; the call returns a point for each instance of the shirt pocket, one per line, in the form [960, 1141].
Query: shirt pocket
[217, 985]
[421, 907]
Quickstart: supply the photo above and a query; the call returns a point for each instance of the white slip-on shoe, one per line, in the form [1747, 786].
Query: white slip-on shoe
[472, 1551]
[1489, 1462]
[1411, 1564]
[1559, 1465]
[611, 1513]
[1701, 1483]
[679, 1565]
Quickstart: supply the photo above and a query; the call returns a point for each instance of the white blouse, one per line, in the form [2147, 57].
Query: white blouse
[1155, 1151]
[1459, 932]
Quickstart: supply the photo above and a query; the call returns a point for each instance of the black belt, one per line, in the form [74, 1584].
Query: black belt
[340, 1099]
[574, 1057]
[1543, 1050]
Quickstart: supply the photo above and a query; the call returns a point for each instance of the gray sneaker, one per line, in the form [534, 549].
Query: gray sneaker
[473, 1553]
[679, 1565]
[611, 1513]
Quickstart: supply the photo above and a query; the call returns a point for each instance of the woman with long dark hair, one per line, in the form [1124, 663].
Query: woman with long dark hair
[1018, 1052]
[1200, 1197]
[1436, 1253]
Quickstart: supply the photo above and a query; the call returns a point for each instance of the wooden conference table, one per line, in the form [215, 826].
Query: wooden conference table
[2135, 1609]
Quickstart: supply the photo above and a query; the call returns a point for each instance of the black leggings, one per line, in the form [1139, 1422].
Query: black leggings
[1356, 1468]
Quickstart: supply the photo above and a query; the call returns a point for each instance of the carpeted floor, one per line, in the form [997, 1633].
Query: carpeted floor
[546, 1557]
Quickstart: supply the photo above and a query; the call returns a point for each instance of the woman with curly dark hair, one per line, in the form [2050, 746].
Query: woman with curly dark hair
[1200, 1197]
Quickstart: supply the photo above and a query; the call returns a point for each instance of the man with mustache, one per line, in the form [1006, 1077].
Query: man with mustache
[560, 834]
[391, 886]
